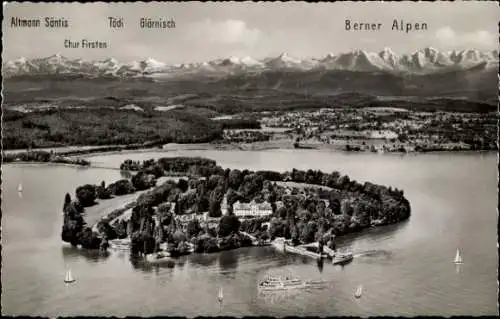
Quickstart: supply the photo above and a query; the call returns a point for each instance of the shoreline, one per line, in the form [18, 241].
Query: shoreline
[90, 155]
[47, 163]
[85, 152]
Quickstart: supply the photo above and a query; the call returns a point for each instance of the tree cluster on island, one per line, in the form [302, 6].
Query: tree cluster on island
[307, 206]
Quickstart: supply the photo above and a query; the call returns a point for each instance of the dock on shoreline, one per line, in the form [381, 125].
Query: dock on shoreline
[282, 245]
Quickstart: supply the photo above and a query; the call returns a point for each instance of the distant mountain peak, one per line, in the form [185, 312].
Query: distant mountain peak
[426, 60]
[287, 57]
[232, 60]
[284, 60]
[153, 61]
[250, 61]
[110, 60]
[57, 56]
[430, 49]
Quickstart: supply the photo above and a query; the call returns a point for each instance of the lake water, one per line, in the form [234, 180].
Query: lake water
[406, 269]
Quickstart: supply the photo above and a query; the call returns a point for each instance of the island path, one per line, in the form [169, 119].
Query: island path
[103, 208]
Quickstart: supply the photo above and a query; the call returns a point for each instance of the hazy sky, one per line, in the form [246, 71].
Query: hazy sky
[213, 30]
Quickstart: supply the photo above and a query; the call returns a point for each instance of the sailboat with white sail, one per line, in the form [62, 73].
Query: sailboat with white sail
[359, 292]
[69, 277]
[220, 295]
[20, 188]
[458, 257]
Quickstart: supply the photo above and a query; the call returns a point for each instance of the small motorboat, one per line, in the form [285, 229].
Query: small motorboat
[120, 244]
[315, 284]
[281, 283]
[342, 258]
[359, 292]
[458, 257]
[69, 277]
[158, 257]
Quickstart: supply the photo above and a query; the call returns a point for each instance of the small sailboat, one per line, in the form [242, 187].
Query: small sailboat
[20, 188]
[458, 257]
[220, 295]
[359, 292]
[69, 277]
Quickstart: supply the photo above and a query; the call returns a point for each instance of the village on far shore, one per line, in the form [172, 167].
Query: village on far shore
[371, 129]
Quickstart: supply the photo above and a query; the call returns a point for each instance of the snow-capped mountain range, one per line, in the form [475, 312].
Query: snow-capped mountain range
[425, 61]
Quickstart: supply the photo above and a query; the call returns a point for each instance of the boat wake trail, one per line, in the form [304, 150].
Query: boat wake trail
[374, 255]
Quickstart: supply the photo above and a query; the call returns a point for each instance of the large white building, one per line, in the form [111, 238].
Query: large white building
[252, 209]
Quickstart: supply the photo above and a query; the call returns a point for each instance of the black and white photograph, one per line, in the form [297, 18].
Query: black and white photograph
[250, 159]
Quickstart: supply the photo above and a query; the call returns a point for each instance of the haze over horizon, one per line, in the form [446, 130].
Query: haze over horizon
[206, 31]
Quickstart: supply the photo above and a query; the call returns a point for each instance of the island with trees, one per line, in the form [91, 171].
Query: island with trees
[204, 208]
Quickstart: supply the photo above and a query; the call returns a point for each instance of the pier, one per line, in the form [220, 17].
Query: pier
[253, 238]
[282, 245]
[329, 252]
[302, 251]
[255, 241]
